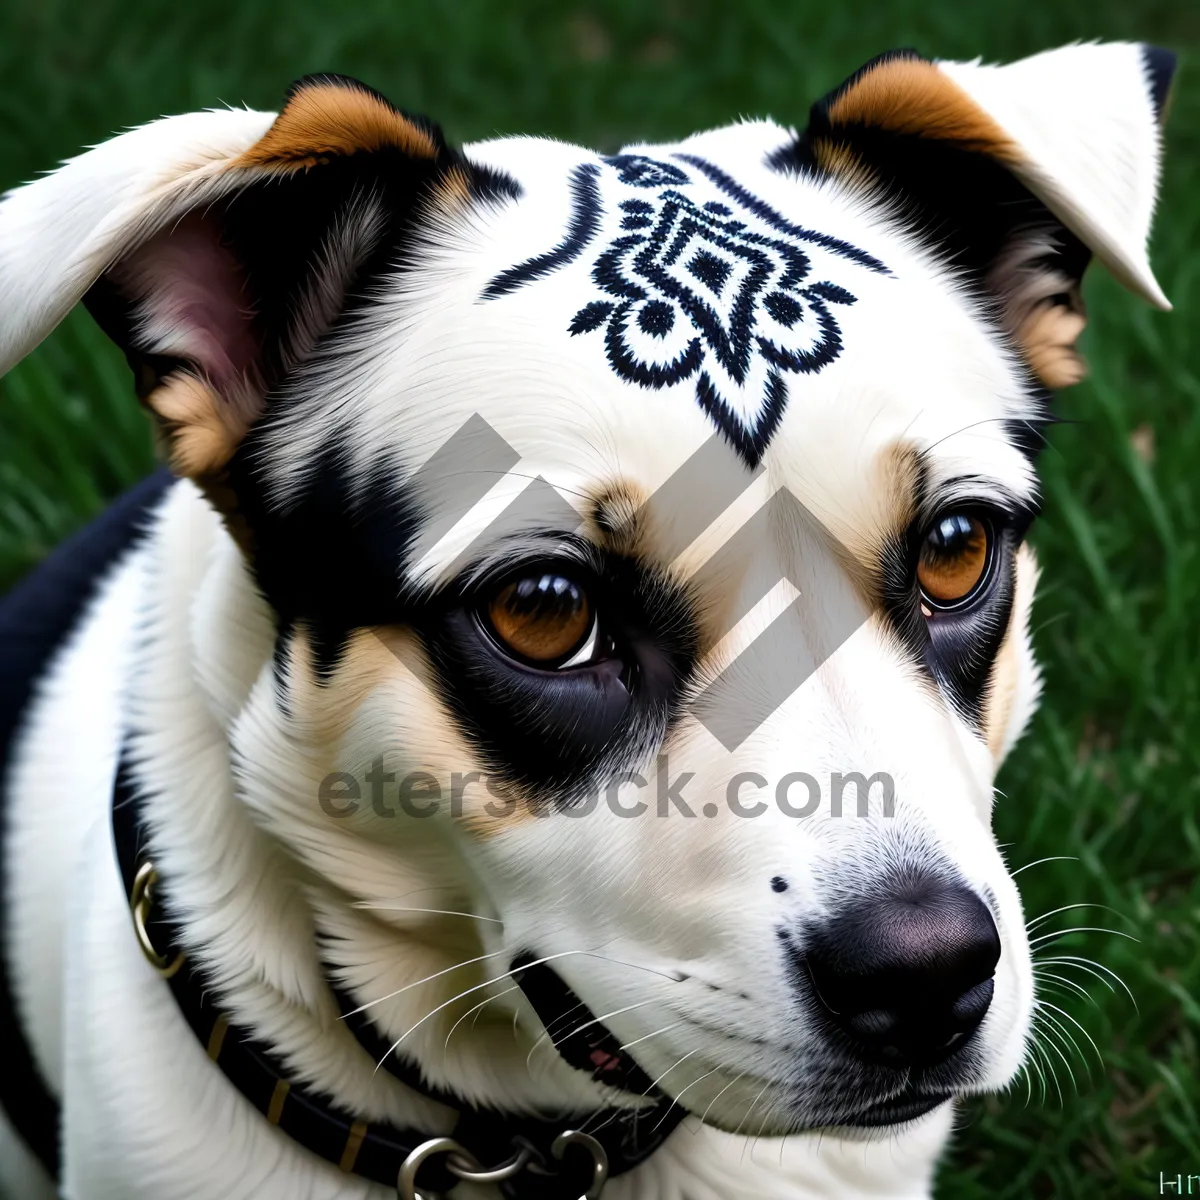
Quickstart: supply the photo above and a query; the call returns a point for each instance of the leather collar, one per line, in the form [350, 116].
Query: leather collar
[547, 1159]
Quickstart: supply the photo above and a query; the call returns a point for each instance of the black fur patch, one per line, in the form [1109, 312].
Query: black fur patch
[1160, 67]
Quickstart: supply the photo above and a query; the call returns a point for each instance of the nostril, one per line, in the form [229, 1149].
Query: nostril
[972, 1005]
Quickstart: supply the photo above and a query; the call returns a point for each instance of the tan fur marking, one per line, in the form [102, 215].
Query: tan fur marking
[1006, 667]
[202, 430]
[914, 97]
[453, 190]
[891, 495]
[617, 517]
[1002, 691]
[1048, 336]
[840, 160]
[329, 120]
[323, 712]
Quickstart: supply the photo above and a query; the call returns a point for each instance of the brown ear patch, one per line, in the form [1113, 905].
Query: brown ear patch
[1041, 305]
[202, 430]
[1048, 336]
[329, 117]
[902, 94]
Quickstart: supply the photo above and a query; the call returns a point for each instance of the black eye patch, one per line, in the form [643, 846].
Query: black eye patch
[554, 733]
[957, 647]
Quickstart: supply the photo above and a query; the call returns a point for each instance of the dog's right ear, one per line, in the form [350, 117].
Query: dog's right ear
[1017, 175]
[217, 248]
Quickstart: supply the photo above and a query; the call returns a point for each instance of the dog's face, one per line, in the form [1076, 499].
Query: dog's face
[645, 539]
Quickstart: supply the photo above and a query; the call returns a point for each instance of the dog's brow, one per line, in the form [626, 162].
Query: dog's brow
[490, 556]
[979, 489]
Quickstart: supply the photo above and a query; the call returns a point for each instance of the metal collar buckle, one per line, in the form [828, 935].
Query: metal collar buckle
[461, 1163]
[141, 901]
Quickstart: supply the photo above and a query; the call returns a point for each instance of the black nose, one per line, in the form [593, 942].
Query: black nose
[908, 975]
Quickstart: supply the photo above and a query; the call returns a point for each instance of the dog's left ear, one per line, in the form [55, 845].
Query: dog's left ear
[1018, 174]
[218, 249]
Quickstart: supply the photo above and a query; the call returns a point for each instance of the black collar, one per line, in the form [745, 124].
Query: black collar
[549, 1159]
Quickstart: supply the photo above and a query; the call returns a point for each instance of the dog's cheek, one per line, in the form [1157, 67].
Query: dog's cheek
[1015, 685]
[381, 705]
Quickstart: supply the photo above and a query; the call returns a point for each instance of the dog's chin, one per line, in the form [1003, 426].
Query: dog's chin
[894, 1112]
[844, 1119]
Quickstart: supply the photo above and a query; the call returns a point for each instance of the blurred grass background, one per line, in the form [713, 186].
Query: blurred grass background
[1109, 773]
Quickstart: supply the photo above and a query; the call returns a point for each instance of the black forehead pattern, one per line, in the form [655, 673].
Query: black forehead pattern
[700, 281]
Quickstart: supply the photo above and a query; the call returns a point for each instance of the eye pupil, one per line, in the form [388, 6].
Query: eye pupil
[953, 529]
[541, 618]
[953, 559]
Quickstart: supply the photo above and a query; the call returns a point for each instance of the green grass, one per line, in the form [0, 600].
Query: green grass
[1109, 771]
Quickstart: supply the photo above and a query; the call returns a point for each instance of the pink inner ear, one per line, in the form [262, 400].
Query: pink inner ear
[193, 303]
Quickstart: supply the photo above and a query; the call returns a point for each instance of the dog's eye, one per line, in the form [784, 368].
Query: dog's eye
[954, 559]
[544, 619]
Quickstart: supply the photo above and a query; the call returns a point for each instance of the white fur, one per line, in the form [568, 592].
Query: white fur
[88, 212]
[1084, 118]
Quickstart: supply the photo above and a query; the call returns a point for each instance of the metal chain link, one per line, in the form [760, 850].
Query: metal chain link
[461, 1163]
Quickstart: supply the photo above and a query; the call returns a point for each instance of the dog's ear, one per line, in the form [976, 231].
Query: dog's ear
[218, 248]
[1018, 174]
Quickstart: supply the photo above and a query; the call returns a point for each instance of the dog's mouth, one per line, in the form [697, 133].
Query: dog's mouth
[578, 1036]
[587, 1045]
[907, 1106]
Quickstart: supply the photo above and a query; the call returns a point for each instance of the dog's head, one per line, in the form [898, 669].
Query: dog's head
[644, 538]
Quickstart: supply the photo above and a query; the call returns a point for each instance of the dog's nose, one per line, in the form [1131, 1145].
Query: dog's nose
[908, 976]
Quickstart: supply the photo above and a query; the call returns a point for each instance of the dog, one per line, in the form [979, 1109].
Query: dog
[436, 782]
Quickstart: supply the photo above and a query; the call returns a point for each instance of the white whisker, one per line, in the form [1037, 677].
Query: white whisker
[749, 1113]
[648, 1036]
[468, 991]
[367, 906]
[676, 1100]
[1052, 1043]
[428, 978]
[1035, 921]
[1038, 862]
[1062, 983]
[735, 1079]
[1063, 1012]
[1065, 1038]
[545, 1034]
[1092, 968]
[477, 1009]
[1060, 933]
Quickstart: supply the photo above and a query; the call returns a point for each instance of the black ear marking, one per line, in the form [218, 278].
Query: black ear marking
[906, 133]
[1160, 65]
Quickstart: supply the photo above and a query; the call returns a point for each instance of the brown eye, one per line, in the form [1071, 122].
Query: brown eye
[543, 618]
[954, 557]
